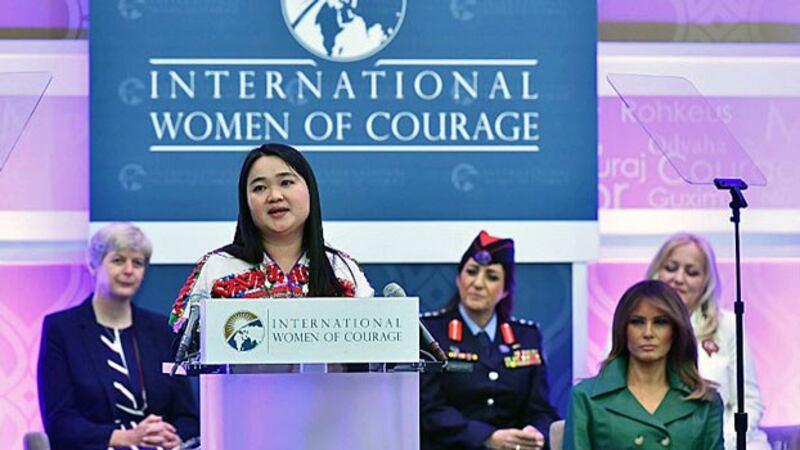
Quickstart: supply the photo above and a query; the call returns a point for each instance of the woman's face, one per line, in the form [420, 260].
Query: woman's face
[481, 287]
[278, 199]
[649, 332]
[120, 274]
[684, 271]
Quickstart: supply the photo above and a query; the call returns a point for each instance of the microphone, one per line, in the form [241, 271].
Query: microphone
[188, 332]
[395, 290]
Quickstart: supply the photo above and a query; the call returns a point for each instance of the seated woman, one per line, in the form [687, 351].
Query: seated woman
[503, 403]
[687, 263]
[278, 250]
[648, 393]
[99, 375]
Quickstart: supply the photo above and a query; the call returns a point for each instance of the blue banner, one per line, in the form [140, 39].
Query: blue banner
[408, 110]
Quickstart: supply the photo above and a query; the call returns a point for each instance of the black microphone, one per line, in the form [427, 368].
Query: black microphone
[395, 290]
[188, 332]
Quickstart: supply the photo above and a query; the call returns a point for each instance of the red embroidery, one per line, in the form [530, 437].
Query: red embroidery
[274, 273]
[348, 286]
[237, 285]
[177, 308]
[299, 274]
[710, 346]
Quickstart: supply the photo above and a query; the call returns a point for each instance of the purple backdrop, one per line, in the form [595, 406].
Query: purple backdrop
[634, 174]
[699, 12]
[27, 293]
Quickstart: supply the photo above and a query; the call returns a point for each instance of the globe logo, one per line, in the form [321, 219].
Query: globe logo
[244, 331]
[344, 30]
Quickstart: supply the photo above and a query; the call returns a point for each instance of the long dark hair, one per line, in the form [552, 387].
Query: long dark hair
[247, 243]
[682, 356]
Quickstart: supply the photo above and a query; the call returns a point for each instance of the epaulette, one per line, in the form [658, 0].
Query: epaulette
[433, 314]
[527, 323]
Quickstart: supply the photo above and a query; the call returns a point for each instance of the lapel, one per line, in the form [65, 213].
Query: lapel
[148, 346]
[674, 407]
[89, 331]
[611, 390]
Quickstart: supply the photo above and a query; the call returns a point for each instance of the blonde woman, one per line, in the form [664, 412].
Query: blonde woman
[687, 263]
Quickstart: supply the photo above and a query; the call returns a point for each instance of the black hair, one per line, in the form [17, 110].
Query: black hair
[247, 242]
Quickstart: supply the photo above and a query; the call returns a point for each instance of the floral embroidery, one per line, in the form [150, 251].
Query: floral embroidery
[299, 274]
[177, 308]
[274, 273]
[270, 282]
[710, 346]
[238, 286]
[348, 287]
[265, 280]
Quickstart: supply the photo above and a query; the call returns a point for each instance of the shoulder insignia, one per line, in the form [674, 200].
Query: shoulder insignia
[431, 314]
[525, 322]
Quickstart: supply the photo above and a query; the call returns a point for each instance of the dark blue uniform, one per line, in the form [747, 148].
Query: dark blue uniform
[506, 389]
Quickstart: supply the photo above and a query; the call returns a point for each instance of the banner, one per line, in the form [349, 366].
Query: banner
[425, 111]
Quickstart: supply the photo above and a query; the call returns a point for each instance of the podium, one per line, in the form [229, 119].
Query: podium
[278, 374]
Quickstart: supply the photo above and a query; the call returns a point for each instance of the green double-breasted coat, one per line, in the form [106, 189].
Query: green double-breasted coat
[604, 415]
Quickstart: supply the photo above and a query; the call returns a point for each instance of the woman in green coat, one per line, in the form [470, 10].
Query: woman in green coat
[648, 394]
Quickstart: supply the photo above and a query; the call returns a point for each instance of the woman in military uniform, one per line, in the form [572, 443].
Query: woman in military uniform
[503, 402]
[648, 393]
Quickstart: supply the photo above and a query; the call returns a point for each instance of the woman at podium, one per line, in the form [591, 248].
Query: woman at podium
[687, 263]
[278, 250]
[504, 402]
[99, 373]
[648, 393]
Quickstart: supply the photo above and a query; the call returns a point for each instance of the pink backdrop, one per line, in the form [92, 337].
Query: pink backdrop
[27, 294]
[633, 173]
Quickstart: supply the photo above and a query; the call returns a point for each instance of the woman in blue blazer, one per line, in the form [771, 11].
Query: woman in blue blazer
[99, 372]
[648, 394]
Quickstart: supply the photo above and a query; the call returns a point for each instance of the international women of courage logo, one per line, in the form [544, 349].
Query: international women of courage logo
[344, 30]
[244, 331]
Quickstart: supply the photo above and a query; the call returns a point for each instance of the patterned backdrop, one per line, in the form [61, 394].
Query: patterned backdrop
[27, 294]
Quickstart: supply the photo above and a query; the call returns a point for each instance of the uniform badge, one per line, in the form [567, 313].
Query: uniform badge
[455, 330]
[457, 354]
[523, 358]
[507, 333]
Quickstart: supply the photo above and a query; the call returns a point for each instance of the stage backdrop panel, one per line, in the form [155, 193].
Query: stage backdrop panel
[408, 111]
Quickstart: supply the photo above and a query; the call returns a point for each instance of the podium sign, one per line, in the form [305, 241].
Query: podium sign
[309, 330]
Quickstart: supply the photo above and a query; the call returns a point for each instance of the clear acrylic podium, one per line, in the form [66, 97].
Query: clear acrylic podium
[309, 393]
[361, 410]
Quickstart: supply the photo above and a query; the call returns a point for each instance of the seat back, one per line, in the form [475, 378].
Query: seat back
[35, 440]
[557, 435]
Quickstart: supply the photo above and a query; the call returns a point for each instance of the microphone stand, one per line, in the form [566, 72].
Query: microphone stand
[735, 186]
